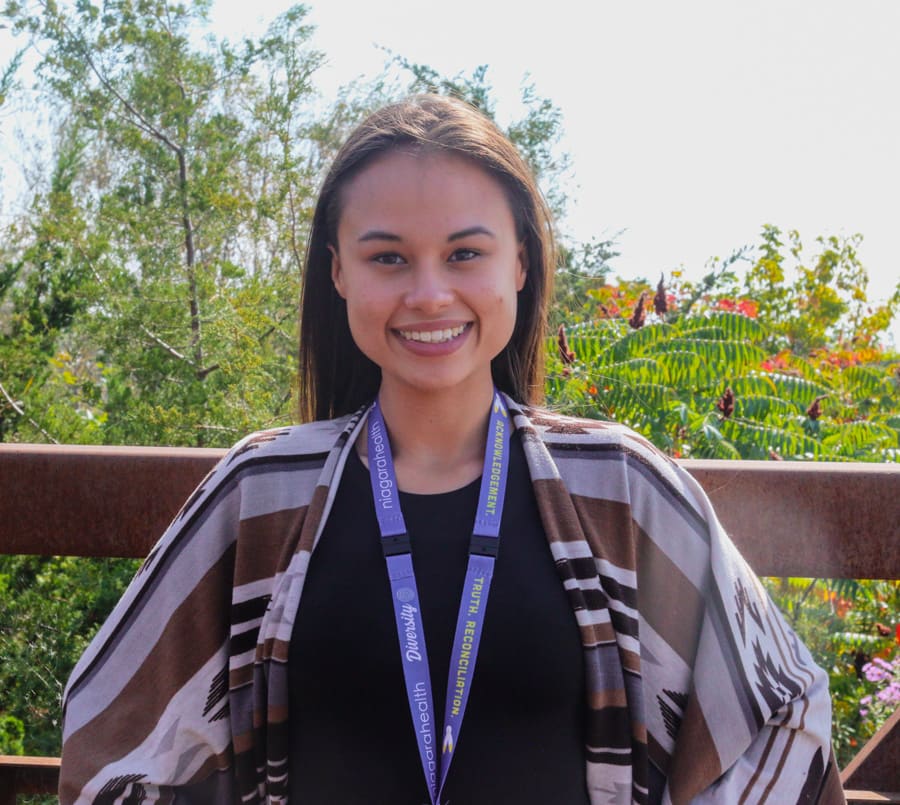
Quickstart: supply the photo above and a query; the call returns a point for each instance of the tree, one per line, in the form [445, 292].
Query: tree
[188, 174]
[809, 303]
[189, 179]
[41, 289]
[148, 293]
[703, 370]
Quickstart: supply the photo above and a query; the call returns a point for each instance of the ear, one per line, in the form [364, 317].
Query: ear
[337, 276]
[521, 267]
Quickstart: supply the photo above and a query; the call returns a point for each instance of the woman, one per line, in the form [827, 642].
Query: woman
[443, 541]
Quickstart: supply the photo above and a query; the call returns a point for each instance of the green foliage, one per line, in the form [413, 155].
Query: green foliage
[164, 256]
[149, 293]
[12, 731]
[583, 268]
[766, 369]
[8, 76]
[49, 610]
[808, 303]
[672, 382]
[695, 372]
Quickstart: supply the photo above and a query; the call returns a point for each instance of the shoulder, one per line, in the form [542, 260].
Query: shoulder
[589, 455]
[301, 442]
[273, 463]
[562, 433]
[301, 446]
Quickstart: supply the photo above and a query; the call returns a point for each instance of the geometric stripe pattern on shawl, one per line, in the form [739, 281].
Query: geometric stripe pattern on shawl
[702, 691]
[696, 689]
[163, 705]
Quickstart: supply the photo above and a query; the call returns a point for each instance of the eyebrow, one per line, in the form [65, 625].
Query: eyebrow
[378, 234]
[472, 230]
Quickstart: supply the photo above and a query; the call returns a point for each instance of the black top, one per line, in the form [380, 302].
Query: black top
[352, 739]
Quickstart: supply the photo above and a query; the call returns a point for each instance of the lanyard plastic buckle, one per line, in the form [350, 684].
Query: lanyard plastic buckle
[396, 544]
[480, 545]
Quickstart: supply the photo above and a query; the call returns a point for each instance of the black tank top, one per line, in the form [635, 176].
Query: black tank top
[352, 741]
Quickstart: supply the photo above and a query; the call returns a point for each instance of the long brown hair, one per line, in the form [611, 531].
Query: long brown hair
[336, 378]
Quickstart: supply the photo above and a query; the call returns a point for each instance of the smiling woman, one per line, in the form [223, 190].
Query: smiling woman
[557, 586]
[439, 162]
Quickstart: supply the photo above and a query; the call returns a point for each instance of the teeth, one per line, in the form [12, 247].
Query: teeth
[433, 336]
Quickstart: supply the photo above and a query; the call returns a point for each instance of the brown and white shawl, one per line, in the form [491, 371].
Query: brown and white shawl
[697, 690]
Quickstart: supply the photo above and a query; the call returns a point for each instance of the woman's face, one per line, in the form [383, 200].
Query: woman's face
[428, 262]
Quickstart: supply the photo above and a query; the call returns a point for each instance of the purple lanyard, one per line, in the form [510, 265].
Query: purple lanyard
[410, 630]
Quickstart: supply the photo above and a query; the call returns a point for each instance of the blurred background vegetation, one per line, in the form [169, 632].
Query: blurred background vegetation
[148, 295]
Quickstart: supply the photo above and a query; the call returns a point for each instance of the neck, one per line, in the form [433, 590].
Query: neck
[437, 441]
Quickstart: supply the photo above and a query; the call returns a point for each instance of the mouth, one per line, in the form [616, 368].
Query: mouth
[434, 336]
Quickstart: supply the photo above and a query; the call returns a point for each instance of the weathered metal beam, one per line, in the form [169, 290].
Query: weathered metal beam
[27, 775]
[805, 518]
[877, 765]
[93, 501]
[788, 518]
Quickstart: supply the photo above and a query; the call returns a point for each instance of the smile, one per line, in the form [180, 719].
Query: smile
[433, 336]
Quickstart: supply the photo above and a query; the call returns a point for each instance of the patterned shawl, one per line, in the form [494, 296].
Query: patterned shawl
[697, 690]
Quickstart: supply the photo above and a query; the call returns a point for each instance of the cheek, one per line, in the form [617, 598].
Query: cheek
[367, 315]
[361, 320]
[359, 298]
[498, 306]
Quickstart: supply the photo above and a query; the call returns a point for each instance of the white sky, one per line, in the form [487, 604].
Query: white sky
[689, 124]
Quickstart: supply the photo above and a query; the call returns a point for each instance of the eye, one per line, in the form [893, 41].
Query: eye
[388, 259]
[464, 255]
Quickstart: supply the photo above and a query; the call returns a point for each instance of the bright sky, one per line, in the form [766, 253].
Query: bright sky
[689, 124]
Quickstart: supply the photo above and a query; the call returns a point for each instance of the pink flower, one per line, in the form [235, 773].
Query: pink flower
[890, 694]
[874, 673]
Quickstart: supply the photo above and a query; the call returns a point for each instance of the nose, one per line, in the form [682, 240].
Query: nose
[429, 290]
